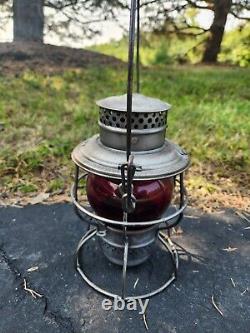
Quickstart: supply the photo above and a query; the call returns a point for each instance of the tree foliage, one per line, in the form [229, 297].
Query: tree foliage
[76, 19]
[174, 17]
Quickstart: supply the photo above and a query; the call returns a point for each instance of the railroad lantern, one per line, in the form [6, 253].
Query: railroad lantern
[131, 174]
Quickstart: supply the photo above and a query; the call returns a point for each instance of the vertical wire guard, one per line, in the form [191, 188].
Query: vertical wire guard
[130, 73]
[128, 148]
[76, 181]
[138, 49]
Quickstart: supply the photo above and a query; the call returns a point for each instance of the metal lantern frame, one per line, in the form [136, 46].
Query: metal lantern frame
[97, 225]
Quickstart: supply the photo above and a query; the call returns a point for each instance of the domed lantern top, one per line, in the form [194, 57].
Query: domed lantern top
[140, 104]
[154, 156]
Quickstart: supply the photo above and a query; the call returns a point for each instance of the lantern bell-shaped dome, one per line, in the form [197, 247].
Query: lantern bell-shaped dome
[154, 156]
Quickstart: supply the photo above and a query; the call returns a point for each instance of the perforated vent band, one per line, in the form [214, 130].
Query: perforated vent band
[139, 120]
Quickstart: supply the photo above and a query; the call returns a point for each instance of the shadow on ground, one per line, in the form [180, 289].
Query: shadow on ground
[214, 254]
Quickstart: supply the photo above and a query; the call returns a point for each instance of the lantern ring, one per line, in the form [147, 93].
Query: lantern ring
[166, 242]
[96, 220]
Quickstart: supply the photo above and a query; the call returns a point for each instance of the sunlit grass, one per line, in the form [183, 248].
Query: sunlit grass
[46, 116]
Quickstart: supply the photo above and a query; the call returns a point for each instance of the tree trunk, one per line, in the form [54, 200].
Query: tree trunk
[213, 43]
[28, 19]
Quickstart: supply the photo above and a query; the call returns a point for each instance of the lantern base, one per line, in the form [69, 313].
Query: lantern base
[140, 245]
[164, 240]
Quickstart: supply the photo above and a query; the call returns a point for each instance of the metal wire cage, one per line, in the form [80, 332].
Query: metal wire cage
[100, 227]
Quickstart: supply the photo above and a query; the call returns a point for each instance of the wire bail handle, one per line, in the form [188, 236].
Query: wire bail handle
[128, 169]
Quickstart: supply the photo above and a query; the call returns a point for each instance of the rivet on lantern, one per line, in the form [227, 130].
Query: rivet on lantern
[131, 173]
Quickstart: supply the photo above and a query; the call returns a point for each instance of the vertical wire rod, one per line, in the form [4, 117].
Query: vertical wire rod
[130, 73]
[138, 49]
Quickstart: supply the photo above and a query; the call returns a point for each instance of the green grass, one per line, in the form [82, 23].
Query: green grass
[46, 116]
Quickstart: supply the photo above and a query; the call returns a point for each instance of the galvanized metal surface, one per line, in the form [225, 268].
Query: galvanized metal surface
[141, 140]
[92, 156]
[140, 103]
[139, 120]
[140, 244]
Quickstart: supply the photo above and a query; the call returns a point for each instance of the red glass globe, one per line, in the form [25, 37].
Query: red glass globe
[152, 197]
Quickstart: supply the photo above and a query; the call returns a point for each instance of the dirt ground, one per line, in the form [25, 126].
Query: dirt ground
[17, 57]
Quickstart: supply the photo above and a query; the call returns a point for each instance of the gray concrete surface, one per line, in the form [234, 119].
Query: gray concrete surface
[215, 250]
